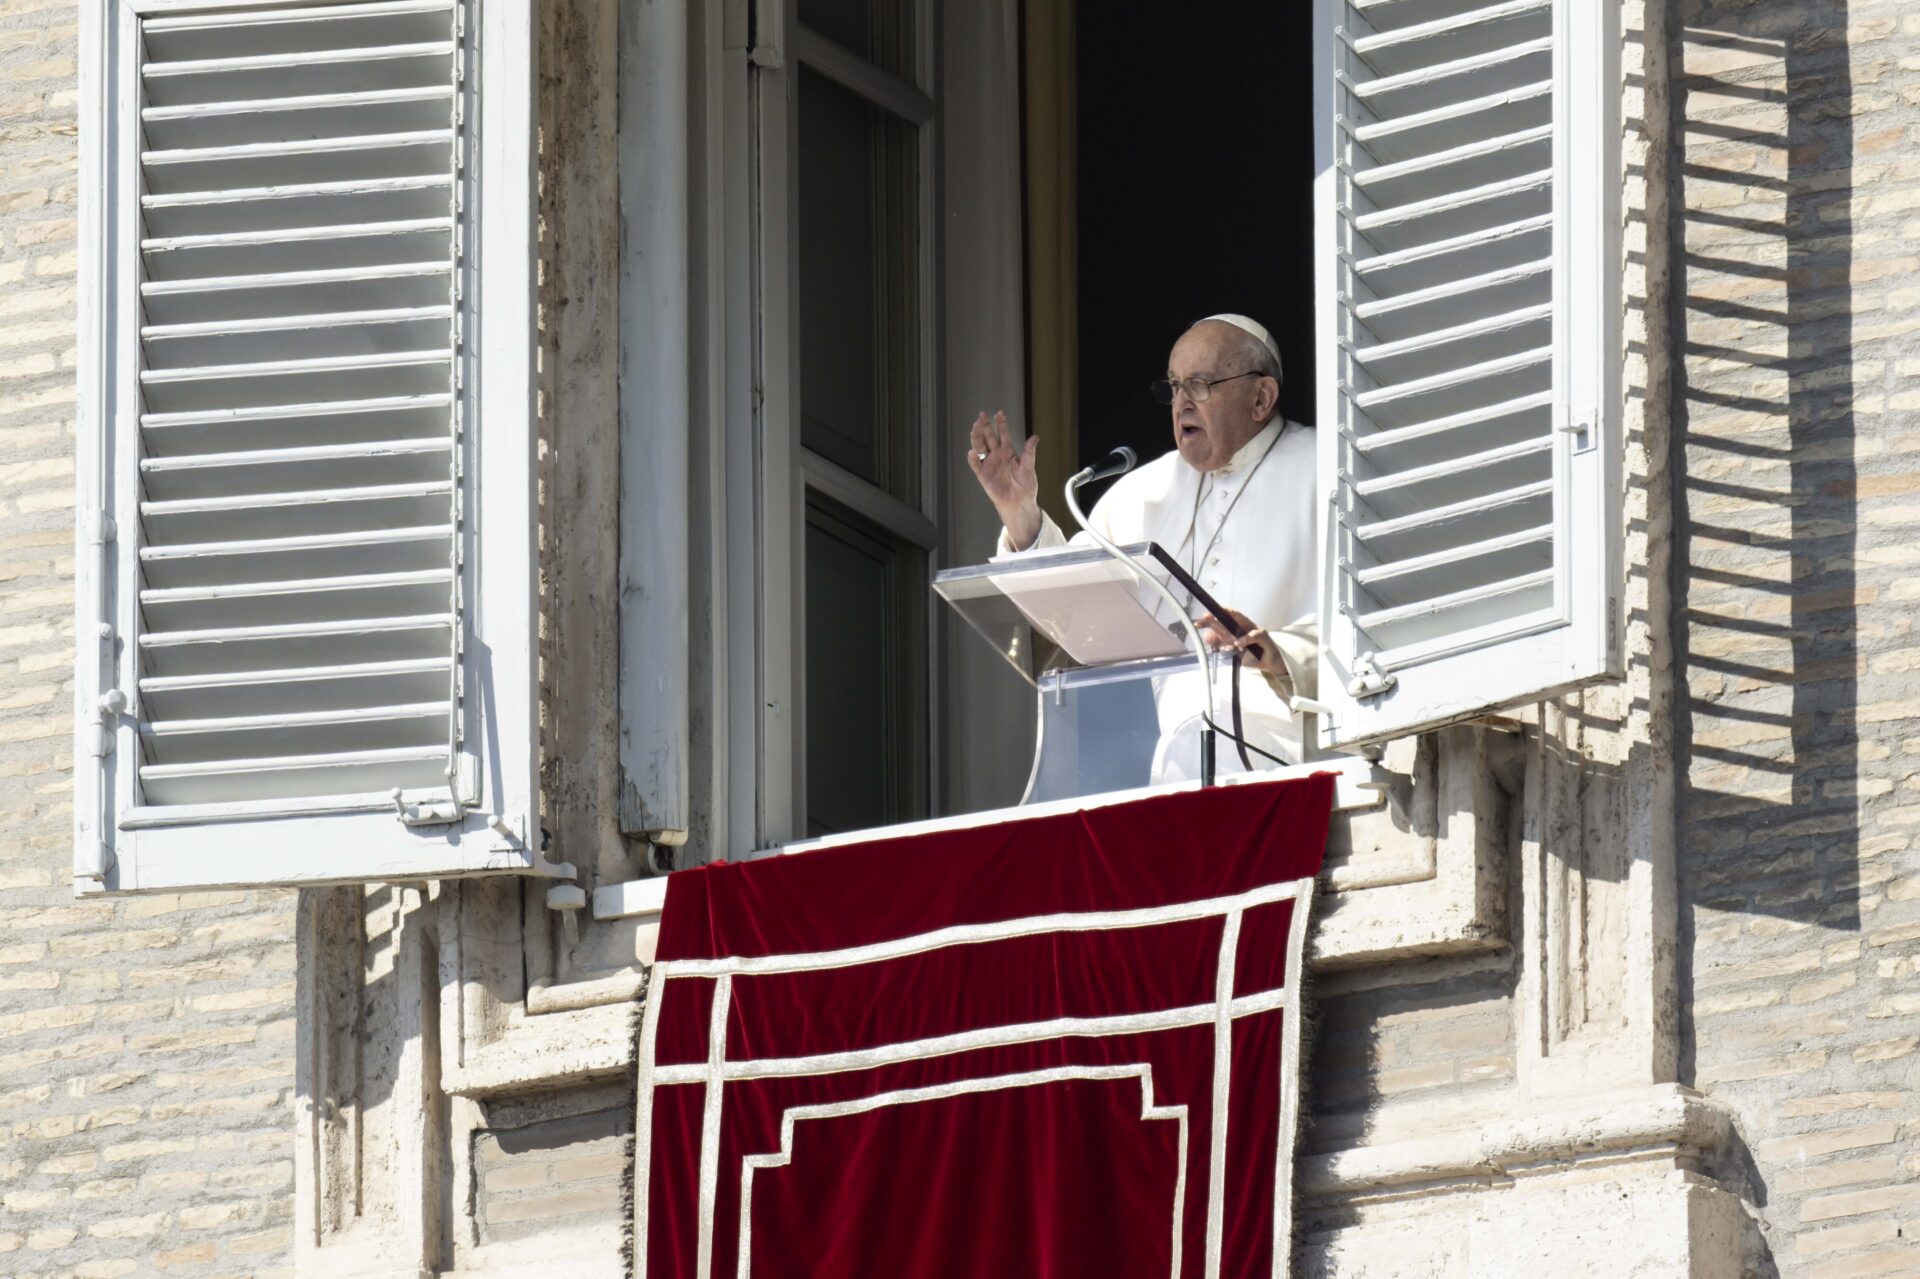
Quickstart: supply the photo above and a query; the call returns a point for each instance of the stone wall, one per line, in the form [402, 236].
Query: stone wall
[146, 1045]
[1795, 272]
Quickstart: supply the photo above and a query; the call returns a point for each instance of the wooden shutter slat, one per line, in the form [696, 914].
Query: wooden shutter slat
[262, 281]
[1428, 88]
[332, 103]
[1535, 588]
[1470, 246]
[294, 235]
[1397, 306]
[296, 58]
[1425, 520]
[292, 719]
[268, 778]
[290, 674]
[245, 503]
[282, 368]
[1462, 466]
[1420, 564]
[346, 539]
[1470, 163]
[301, 688]
[359, 627]
[268, 426]
[1454, 36]
[315, 599]
[224, 21]
[1371, 354]
[282, 323]
[308, 453]
[1453, 123]
[1394, 399]
[1381, 441]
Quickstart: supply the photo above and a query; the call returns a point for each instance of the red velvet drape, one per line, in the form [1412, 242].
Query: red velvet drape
[988, 1052]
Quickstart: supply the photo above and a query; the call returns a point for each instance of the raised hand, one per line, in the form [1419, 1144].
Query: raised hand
[1007, 476]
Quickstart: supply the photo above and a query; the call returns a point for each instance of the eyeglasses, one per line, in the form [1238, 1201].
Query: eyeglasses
[1198, 389]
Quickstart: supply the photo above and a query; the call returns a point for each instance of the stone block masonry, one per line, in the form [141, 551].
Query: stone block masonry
[146, 1045]
[1800, 317]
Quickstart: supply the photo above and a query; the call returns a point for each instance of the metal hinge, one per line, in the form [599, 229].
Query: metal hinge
[100, 528]
[98, 860]
[442, 812]
[762, 17]
[1368, 679]
[108, 710]
[463, 791]
[513, 839]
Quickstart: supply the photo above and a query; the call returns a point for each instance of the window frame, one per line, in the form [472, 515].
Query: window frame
[786, 472]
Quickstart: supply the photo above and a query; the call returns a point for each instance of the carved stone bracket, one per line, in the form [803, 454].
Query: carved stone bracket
[1427, 874]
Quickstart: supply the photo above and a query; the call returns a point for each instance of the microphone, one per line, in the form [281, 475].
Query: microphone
[1118, 462]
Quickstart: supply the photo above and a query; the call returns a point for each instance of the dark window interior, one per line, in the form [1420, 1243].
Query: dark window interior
[1195, 184]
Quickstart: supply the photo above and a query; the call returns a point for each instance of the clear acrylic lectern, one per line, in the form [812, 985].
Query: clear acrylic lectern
[1119, 690]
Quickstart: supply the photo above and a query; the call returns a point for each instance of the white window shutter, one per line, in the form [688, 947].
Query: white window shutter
[306, 624]
[1467, 222]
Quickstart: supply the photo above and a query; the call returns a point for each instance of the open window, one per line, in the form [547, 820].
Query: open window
[306, 546]
[1420, 199]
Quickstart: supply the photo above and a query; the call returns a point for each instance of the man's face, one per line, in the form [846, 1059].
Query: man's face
[1209, 434]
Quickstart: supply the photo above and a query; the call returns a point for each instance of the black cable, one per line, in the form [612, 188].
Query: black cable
[1208, 720]
[1238, 736]
[1239, 724]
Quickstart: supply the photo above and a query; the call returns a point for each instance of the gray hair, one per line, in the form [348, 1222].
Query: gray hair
[1260, 359]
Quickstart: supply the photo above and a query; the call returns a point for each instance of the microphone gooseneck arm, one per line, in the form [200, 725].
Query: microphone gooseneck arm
[1119, 462]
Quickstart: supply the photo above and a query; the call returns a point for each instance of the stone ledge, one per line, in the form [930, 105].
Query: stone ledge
[1666, 1117]
[544, 1051]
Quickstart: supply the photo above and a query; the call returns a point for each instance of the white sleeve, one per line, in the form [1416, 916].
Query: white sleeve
[1101, 517]
[1050, 535]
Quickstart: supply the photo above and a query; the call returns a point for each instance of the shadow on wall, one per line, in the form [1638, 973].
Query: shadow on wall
[1768, 628]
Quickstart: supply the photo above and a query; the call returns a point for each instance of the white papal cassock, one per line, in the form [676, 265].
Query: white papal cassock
[1246, 532]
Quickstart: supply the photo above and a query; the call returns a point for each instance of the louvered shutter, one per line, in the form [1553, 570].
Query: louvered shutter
[307, 630]
[1469, 356]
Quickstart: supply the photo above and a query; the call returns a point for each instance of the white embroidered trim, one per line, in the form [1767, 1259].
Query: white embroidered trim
[967, 934]
[643, 1120]
[751, 1164]
[968, 1040]
[1222, 1091]
[1290, 1085]
[710, 1125]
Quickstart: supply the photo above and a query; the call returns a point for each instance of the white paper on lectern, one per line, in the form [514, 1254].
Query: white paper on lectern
[1094, 609]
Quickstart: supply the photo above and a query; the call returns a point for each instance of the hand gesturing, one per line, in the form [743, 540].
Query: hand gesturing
[1007, 476]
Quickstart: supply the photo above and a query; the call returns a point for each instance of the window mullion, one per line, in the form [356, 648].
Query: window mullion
[851, 71]
[868, 500]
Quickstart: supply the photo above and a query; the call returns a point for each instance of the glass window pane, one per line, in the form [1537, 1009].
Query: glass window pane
[866, 685]
[858, 339]
[881, 31]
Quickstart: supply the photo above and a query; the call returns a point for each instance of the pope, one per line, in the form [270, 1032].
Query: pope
[1232, 501]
